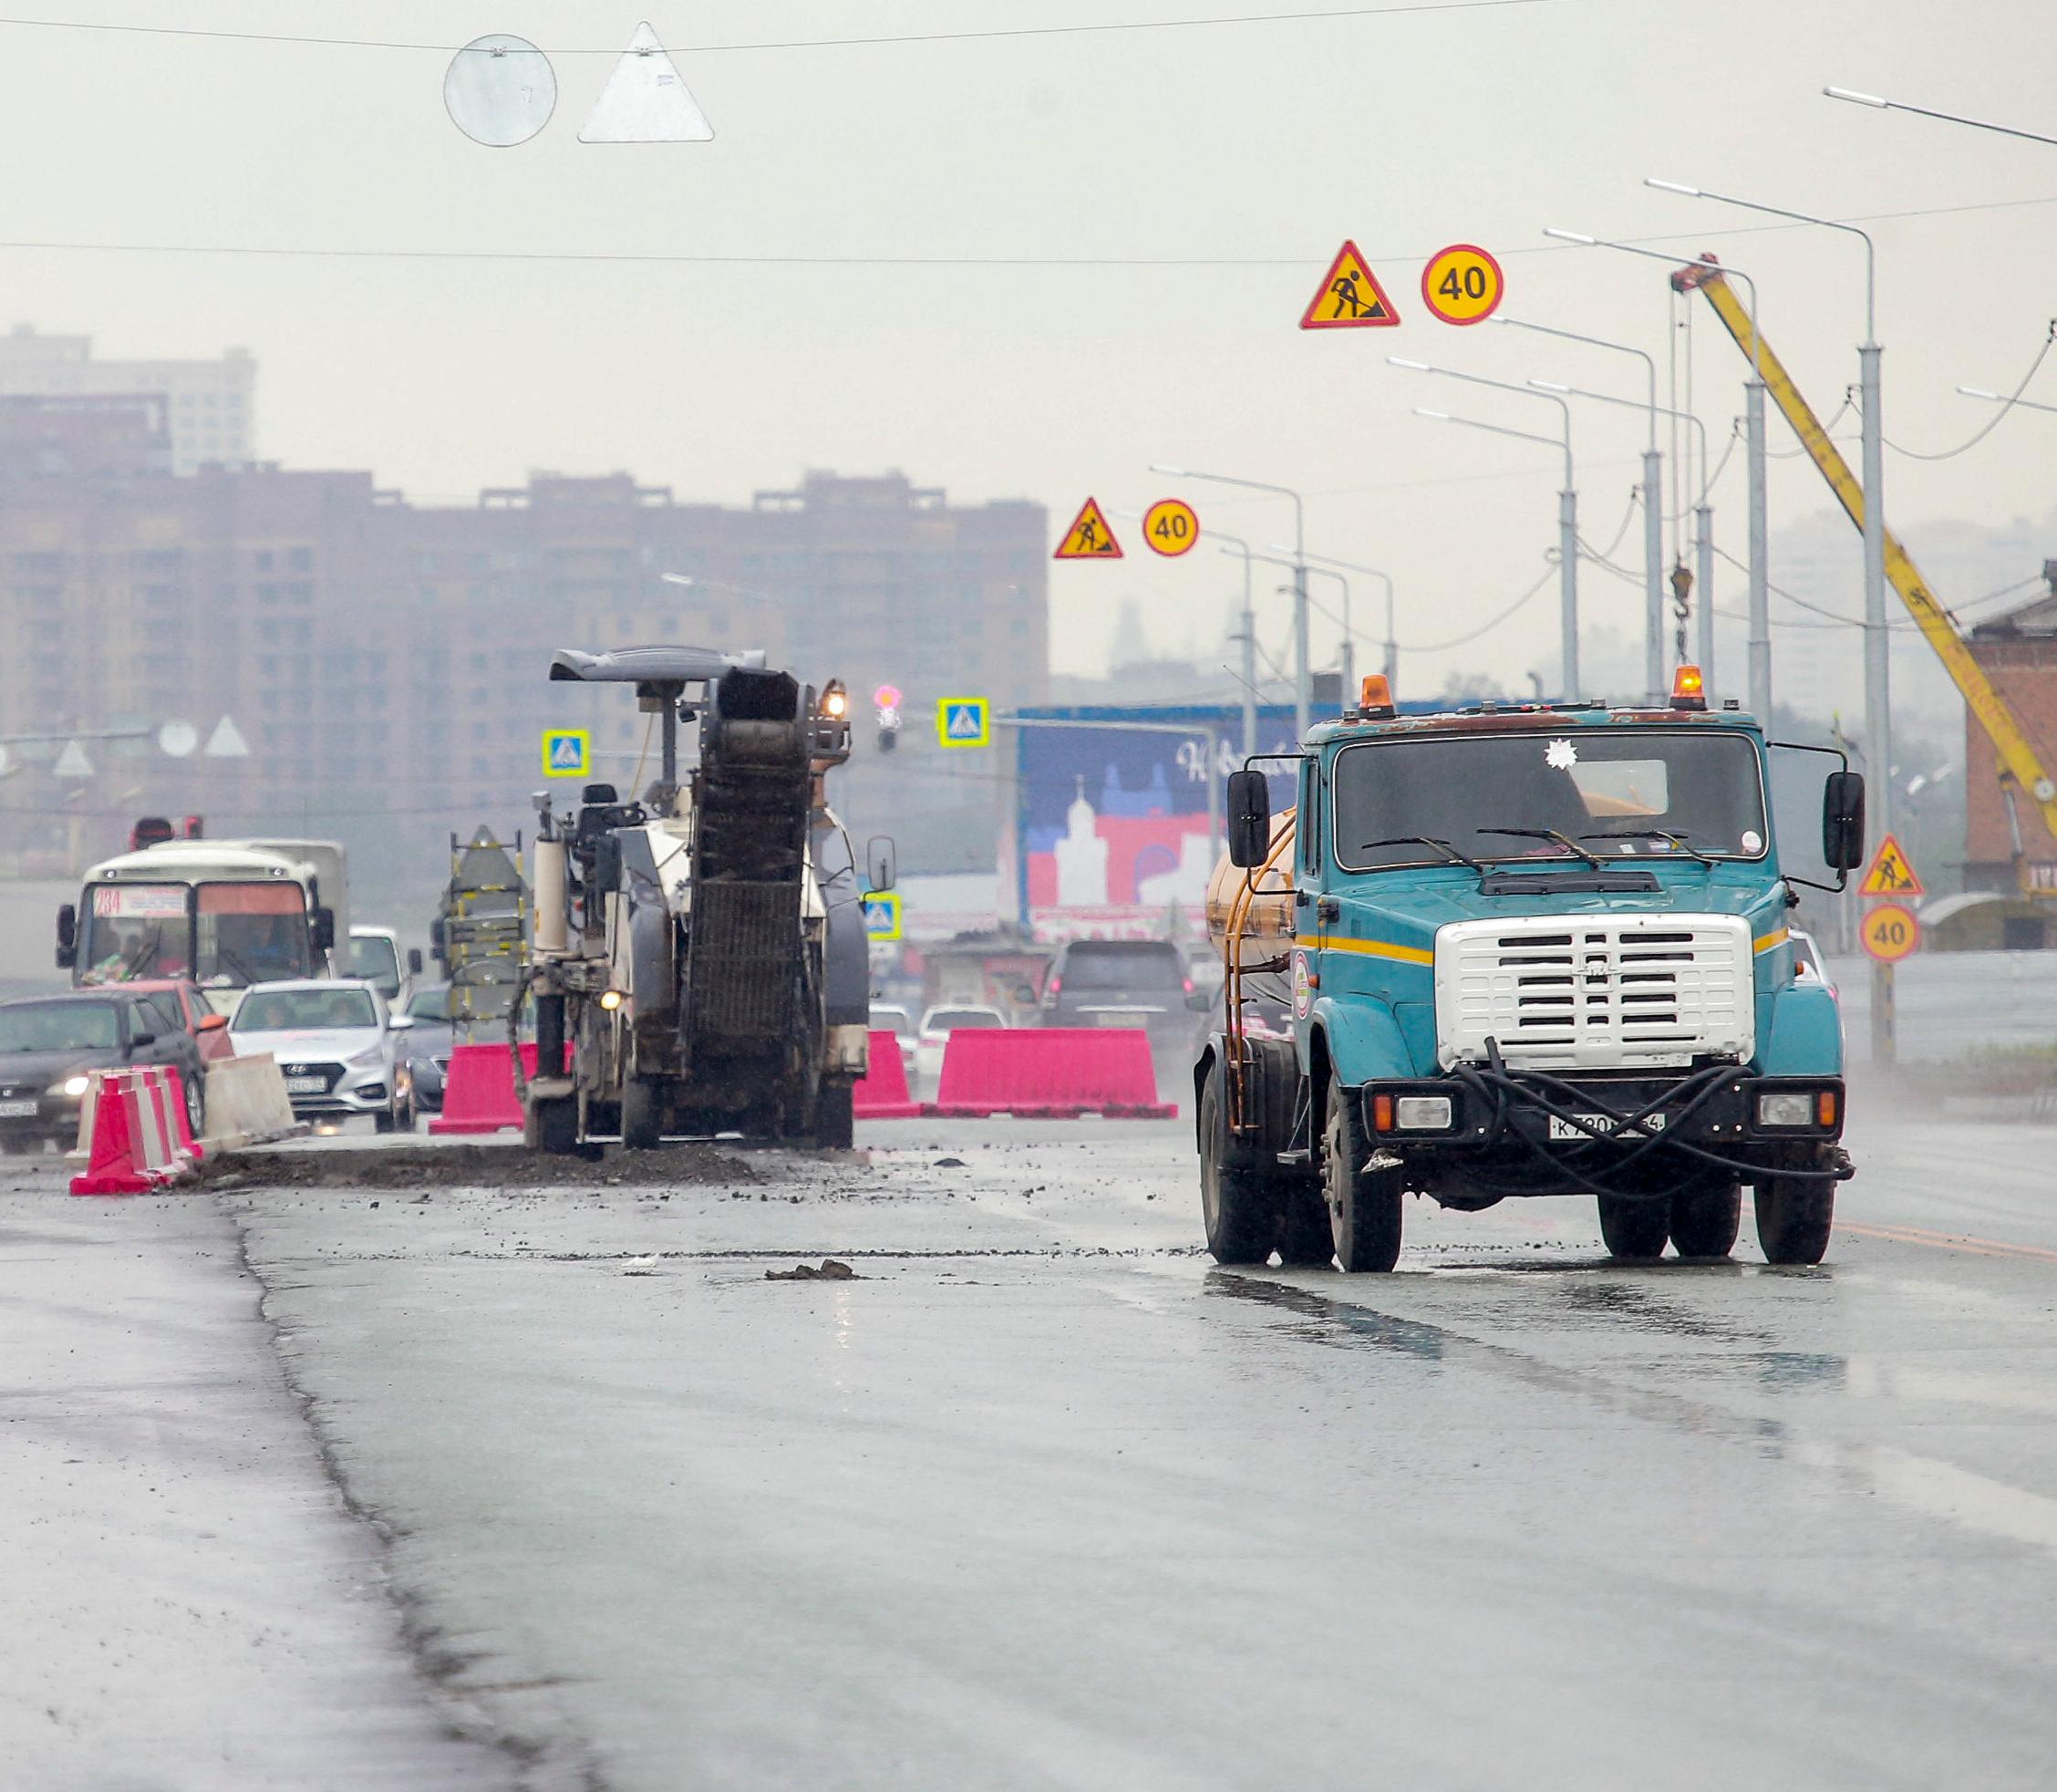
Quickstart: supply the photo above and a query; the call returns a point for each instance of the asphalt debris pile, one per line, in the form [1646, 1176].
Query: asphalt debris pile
[476, 1167]
[832, 1270]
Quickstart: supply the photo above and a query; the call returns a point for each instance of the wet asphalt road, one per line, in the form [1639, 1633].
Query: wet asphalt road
[1043, 1499]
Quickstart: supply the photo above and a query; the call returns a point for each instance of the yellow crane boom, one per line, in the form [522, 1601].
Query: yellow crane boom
[2017, 758]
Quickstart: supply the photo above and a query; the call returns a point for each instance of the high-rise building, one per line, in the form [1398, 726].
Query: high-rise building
[209, 406]
[387, 664]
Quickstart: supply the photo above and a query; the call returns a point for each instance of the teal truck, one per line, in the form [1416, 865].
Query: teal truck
[1521, 950]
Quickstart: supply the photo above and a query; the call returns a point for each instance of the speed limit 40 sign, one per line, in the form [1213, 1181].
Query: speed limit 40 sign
[1462, 283]
[1890, 932]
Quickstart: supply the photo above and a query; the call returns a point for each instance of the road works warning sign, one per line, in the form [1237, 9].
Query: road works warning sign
[1350, 297]
[1892, 873]
[1089, 537]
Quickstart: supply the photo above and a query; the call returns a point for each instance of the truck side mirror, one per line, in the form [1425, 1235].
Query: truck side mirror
[1843, 820]
[67, 937]
[881, 861]
[1249, 819]
[324, 929]
[414, 961]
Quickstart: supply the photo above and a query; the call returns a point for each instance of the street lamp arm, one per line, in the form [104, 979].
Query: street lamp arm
[1872, 100]
[1647, 360]
[1871, 249]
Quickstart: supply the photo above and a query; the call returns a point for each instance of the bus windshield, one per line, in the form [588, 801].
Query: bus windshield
[246, 932]
[1618, 793]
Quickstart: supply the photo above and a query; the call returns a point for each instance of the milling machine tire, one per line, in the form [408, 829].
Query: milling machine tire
[1306, 1238]
[552, 1127]
[1238, 1209]
[1635, 1227]
[835, 1125]
[642, 1114]
[1364, 1206]
[1705, 1223]
[1794, 1218]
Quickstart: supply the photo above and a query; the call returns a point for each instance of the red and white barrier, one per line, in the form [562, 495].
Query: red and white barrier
[1048, 1074]
[141, 1136]
[479, 1089]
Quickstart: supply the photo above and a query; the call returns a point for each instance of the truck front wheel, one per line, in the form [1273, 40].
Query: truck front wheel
[1635, 1227]
[1705, 1223]
[1235, 1205]
[1364, 1206]
[1794, 1215]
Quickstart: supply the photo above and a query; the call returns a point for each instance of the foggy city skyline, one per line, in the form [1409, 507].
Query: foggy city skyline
[1066, 368]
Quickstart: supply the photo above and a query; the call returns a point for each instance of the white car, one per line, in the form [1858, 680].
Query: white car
[901, 1025]
[937, 1025]
[337, 1045]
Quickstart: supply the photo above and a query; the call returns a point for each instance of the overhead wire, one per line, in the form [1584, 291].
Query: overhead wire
[2020, 385]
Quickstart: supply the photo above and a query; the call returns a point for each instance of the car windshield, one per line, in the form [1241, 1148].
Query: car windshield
[283, 1011]
[893, 1019]
[57, 1026]
[1617, 792]
[952, 1019]
[376, 961]
[1123, 965]
[431, 1005]
[248, 933]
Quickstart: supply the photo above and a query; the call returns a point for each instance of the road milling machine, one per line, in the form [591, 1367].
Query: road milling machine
[700, 962]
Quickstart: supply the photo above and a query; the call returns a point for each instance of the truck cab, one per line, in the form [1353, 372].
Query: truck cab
[1533, 949]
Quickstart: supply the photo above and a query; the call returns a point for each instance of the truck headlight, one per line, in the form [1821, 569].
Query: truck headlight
[1786, 1107]
[1421, 1113]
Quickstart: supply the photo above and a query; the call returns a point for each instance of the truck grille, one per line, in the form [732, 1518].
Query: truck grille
[1580, 992]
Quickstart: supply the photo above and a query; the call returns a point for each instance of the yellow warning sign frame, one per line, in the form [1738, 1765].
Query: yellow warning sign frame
[1352, 293]
[1089, 537]
[1892, 873]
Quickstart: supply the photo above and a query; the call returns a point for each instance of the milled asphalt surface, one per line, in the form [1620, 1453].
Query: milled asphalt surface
[1041, 1498]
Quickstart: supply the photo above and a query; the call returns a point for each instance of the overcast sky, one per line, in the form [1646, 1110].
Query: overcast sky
[1261, 143]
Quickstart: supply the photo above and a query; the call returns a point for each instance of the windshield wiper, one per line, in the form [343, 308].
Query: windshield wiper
[1426, 840]
[1564, 840]
[1677, 842]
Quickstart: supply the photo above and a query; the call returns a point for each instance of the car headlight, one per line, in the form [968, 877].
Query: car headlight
[74, 1086]
[1786, 1107]
[370, 1055]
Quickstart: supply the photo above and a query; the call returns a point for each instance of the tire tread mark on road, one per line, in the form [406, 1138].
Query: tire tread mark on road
[537, 1762]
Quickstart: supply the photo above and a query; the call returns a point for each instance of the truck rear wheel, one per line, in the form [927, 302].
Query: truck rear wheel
[1364, 1206]
[642, 1114]
[1635, 1227]
[1794, 1216]
[1235, 1205]
[1705, 1223]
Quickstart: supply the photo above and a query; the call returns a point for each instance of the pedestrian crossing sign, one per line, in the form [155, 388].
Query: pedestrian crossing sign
[1350, 296]
[882, 915]
[1892, 873]
[963, 721]
[567, 752]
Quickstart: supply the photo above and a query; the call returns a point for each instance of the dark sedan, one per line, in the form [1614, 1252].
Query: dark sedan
[428, 1044]
[49, 1044]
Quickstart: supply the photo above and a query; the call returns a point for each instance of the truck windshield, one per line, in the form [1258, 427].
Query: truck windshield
[373, 958]
[1615, 790]
[247, 932]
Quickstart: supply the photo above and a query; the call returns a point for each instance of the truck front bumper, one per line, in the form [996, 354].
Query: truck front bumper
[1518, 1132]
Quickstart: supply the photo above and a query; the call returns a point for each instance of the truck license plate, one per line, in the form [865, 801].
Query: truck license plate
[17, 1110]
[1600, 1123]
[306, 1085]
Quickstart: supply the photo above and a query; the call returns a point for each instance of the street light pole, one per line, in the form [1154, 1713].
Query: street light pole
[1303, 677]
[1703, 514]
[1568, 504]
[1878, 696]
[1567, 540]
[1753, 451]
[1653, 507]
[1346, 658]
[1391, 642]
[1249, 638]
[1928, 112]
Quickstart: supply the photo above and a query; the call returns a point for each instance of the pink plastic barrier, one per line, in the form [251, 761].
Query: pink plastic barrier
[141, 1136]
[479, 1089]
[881, 1093]
[1048, 1074]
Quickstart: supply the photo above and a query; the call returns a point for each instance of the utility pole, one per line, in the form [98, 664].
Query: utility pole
[1759, 546]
